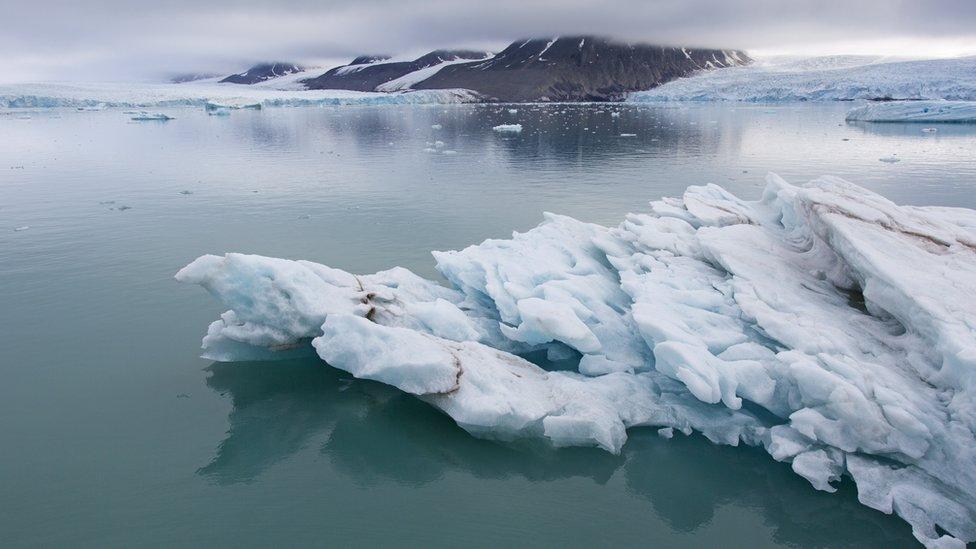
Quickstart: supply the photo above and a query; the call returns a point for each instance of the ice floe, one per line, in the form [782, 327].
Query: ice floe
[822, 322]
[147, 116]
[508, 128]
[915, 111]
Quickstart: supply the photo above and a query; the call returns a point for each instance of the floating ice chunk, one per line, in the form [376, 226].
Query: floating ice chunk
[628, 135]
[823, 322]
[890, 159]
[508, 128]
[512, 111]
[436, 126]
[145, 116]
[21, 228]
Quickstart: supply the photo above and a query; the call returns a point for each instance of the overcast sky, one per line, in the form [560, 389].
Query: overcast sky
[129, 39]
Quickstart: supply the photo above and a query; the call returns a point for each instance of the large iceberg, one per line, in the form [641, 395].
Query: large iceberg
[915, 111]
[835, 78]
[822, 322]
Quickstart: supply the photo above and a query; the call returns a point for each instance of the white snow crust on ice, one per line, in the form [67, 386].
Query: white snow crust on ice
[825, 79]
[915, 111]
[129, 95]
[822, 322]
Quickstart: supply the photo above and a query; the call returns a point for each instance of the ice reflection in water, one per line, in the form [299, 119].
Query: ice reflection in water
[375, 435]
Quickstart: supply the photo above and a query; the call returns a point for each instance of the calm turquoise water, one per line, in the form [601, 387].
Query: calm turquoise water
[114, 433]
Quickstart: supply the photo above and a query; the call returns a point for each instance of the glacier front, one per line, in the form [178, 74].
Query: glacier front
[204, 93]
[960, 112]
[832, 78]
[822, 322]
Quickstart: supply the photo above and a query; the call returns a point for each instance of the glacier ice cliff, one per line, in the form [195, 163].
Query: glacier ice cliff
[837, 78]
[822, 322]
[201, 94]
[962, 112]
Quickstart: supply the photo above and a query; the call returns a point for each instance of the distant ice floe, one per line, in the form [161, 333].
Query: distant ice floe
[915, 111]
[157, 116]
[508, 128]
[202, 94]
[825, 79]
[824, 323]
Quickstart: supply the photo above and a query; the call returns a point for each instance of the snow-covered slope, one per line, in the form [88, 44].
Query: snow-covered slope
[406, 81]
[203, 92]
[824, 79]
[263, 72]
[915, 111]
[824, 323]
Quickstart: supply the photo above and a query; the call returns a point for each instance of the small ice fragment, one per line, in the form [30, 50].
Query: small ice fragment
[23, 228]
[890, 159]
[304, 216]
[124, 208]
[628, 135]
[930, 130]
[435, 126]
[450, 152]
[508, 128]
[512, 111]
[666, 432]
[615, 114]
[152, 116]
[439, 144]
[186, 192]
[430, 150]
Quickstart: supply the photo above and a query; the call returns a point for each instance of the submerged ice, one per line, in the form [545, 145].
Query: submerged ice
[822, 322]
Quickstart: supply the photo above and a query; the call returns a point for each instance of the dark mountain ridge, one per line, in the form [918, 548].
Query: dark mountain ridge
[262, 72]
[373, 73]
[569, 68]
[578, 68]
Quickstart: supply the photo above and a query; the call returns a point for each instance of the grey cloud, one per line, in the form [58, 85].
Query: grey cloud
[62, 39]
